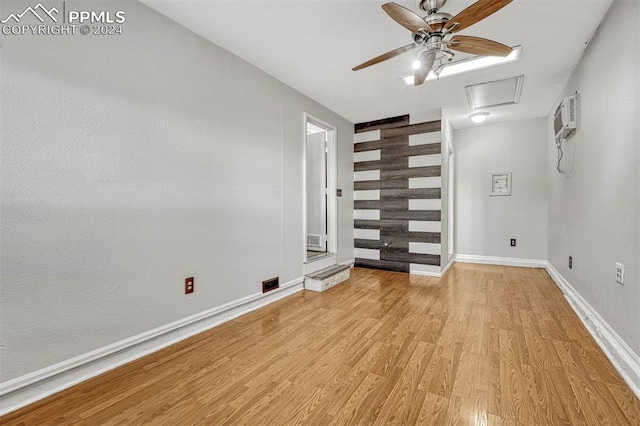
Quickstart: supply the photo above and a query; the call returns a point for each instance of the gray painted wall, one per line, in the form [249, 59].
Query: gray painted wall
[131, 162]
[484, 224]
[594, 215]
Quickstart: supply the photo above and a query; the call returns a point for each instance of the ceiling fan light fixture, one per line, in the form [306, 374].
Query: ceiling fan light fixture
[416, 64]
[479, 117]
[468, 65]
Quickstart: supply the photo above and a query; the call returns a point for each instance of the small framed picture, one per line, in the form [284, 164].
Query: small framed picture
[500, 184]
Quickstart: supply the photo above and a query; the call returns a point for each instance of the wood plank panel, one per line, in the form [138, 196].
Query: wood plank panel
[410, 194]
[382, 348]
[385, 123]
[386, 225]
[404, 256]
[414, 237]
[367, 165]
[396, 142]
[427, 215]
[395, 194]
[413, 172]
[391, 205]
[367, 244]
[381, 184]
[398, 145]
[398, 163]
[410, 151]
[412, 129]
[378, 245]
[382, 264]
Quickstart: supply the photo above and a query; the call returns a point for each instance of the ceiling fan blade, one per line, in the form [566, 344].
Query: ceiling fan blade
[385, 56]
[421, 73]
[474, 13]
[479, 46]
[405, 17]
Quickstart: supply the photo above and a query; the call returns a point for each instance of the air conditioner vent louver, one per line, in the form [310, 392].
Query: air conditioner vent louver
[564, 119]
[572, 109]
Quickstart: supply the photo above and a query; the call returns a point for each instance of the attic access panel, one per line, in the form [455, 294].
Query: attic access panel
[494, 93]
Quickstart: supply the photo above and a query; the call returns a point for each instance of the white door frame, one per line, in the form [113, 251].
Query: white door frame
[332, 184]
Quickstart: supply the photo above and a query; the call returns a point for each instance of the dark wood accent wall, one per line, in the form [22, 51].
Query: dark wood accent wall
[393, 245]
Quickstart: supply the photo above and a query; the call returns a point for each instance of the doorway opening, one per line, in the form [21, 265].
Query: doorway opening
[319, 188]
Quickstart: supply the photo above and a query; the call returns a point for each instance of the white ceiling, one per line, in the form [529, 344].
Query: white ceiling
[311, 45]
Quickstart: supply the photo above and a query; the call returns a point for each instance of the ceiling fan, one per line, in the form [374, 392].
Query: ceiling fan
[434, 35]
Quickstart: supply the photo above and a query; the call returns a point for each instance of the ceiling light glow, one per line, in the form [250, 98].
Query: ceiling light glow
[479, 117]
[416, 64]
[468, 65]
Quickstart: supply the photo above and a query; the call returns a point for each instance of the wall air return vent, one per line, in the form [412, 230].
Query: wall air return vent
[494, 93]
[314, 241]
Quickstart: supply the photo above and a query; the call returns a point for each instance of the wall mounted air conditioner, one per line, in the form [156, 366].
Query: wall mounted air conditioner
[565, 118]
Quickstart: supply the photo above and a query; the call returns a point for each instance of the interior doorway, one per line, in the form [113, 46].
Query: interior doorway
[319, 188]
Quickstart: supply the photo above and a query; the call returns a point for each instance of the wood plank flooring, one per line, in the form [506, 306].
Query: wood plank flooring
[485, 345]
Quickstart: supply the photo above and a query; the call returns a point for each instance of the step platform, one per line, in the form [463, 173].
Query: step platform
[326, 278]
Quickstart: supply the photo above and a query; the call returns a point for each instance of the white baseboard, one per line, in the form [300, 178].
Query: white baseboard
[436, 274]
[502, 261]
[27, 389]
[623, 358]
[426, 274]
[321, 262]
[446, 268]
[350, 263]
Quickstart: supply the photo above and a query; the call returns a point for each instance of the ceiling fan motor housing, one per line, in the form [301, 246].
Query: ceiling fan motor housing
[438, 20]
[430, 6]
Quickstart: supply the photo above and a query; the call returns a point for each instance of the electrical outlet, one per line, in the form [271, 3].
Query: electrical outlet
[620, 273]
[513, 242]
[188, 285]
[570, 262]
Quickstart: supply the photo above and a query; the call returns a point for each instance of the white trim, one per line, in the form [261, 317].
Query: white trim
[366, 234]
[446, 268]
[425, 248]
[425, 204]
[366, 194]
[425, 160]
[363, 253]
[623, 358]
[503, 261]
[370, 136]
[317, 263]
[332, 182]
[366, 175]
[31, 387]
[425, 138]
[362, 156]
[426, 274]
[350, 263]
[425, 270]
[434, 274]
[425, 182]
[366, 214]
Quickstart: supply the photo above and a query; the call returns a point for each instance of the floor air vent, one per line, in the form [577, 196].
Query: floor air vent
[271, 284]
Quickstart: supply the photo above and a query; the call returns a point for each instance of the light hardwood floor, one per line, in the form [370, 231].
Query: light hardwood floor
[485, 345]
